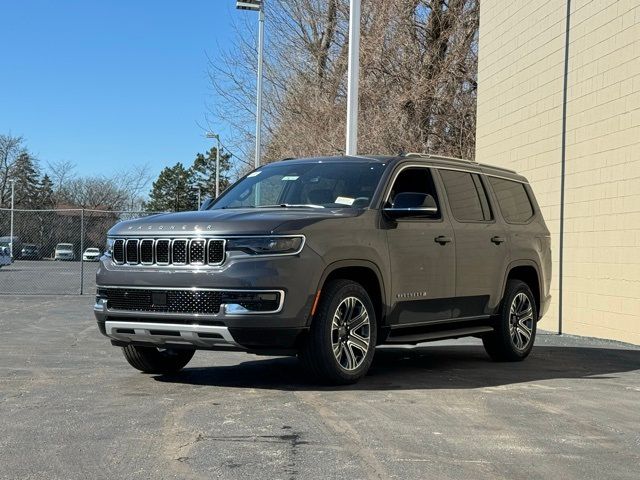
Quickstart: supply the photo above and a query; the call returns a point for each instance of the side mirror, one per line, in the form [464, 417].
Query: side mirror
[412, 204]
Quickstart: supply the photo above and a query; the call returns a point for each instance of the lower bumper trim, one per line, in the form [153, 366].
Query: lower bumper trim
[170, 333]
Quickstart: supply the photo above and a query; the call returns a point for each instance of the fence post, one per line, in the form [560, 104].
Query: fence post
[81, 251]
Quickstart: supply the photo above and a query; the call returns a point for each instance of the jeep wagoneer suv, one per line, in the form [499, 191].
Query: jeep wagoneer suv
[325, 258]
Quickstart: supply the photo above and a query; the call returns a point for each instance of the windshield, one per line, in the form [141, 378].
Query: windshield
[64, 246]
[348, 184]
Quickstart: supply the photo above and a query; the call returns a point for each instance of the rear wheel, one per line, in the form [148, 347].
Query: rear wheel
[515, 328]
[342, 338]
[154, 360]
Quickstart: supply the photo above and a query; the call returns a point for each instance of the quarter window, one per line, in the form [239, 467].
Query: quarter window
[467, 197]
[514, 201]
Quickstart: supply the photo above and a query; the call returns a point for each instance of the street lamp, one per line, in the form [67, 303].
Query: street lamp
[353, 78]
[13, 194]
[257, 6]
[217, 137]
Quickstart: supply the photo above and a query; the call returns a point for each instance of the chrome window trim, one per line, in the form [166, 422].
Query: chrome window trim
[221, 313]
[438, 167]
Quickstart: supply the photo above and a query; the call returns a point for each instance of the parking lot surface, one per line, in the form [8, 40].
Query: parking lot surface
[71, 408]
[48, 277]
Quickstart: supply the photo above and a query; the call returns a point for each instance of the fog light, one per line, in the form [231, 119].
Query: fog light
[239, 303]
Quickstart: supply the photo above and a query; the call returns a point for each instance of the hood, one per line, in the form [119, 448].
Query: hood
[249, 221]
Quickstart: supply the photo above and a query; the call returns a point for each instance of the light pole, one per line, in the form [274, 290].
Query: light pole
[217, 137]
[353, 78]
[13, 194]
[258, 6]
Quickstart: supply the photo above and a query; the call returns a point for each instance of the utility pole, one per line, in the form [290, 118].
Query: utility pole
[217, 137]
[353, 78]
[257, 6]
[13, 194]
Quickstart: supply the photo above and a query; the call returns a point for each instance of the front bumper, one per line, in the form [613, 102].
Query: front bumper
[295, 277]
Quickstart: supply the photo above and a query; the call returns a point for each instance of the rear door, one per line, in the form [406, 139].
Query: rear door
[481, 244]
[422, 268]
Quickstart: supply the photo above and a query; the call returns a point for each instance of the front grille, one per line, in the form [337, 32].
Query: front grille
[165, 251]
[166, 301]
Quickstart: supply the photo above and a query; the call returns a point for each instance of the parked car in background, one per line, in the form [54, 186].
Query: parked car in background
[30, 252]
[91, 254]
[5, 256]
[64, 251]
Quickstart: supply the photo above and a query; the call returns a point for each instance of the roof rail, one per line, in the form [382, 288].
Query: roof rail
[434, 156]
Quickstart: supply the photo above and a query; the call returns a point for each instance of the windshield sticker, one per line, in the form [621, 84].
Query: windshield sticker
[290, 178]
[253, 174]
[345, 200]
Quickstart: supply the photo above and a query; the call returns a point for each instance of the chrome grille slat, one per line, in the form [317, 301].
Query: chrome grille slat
[169, 251]
[131, 251]
[118, 251]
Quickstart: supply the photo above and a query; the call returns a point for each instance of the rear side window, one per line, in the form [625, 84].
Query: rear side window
[514, 201]
[467, 197]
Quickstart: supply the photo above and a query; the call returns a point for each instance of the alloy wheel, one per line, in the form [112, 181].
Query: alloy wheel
[521, 321]
[350, 333]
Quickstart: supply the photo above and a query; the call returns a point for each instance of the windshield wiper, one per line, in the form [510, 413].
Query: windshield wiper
[291, 205]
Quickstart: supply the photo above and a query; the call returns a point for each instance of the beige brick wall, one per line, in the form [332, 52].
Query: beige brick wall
[521, 68]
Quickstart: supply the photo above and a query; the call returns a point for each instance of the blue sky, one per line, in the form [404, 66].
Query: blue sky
[108, 84]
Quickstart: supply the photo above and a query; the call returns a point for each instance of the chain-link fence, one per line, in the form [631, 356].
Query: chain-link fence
[54, 251]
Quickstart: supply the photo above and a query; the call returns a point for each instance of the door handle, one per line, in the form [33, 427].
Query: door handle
[442, 239]
[498, 240]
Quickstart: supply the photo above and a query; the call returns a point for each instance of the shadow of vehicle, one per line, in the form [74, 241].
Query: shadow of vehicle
[425, 367]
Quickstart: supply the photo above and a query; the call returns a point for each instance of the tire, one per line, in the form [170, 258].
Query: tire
[152, 360]
[513, 339]
[355, 326]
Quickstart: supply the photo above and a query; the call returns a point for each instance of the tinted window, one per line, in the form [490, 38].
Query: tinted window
[514, 201]
[414, 180]
[466, 195]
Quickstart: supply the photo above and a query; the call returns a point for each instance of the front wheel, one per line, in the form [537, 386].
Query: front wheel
[154, 360]
[515, 328]
[342, 337]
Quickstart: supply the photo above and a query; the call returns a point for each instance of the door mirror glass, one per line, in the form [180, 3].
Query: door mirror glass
[412, 204]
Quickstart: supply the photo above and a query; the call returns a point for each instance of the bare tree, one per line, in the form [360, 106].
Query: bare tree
[417, 84]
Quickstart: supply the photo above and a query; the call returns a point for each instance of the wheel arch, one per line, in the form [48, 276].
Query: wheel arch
[363, 272]
[527, 271]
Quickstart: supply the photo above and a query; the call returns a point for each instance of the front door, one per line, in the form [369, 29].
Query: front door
[421, 254]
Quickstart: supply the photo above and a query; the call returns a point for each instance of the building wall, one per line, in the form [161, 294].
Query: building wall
[520, 126]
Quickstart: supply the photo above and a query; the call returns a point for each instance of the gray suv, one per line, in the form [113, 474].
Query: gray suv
[325, 258]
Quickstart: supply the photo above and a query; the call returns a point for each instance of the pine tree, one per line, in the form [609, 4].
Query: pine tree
[172, 191]
[203, 172]
[45, 195]
[25, 172]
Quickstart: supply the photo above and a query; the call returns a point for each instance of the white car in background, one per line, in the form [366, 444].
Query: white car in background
[91, 255]
[64, 251]
[5, 256]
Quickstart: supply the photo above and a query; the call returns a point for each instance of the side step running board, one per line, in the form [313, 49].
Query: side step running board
[438, 335]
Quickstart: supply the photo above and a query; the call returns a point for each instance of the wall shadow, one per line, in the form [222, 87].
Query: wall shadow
[424, 367]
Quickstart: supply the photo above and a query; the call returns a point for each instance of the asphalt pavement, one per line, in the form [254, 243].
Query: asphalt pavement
[72, 408]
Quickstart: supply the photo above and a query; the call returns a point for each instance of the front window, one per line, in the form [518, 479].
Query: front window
[348, 184]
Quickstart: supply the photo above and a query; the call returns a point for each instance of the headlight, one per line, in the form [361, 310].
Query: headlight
[266, 245]
[108, 250]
